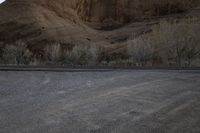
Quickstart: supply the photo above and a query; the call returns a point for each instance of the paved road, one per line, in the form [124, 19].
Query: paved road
[128, 101]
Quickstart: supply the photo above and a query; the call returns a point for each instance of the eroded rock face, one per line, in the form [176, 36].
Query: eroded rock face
[112, 12]
[123, 11]
[63, 19]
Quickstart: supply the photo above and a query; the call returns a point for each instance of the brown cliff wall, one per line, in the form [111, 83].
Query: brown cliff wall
[114, 11]
[122, 11]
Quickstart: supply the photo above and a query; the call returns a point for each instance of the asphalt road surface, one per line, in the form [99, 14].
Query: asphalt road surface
[128, 101]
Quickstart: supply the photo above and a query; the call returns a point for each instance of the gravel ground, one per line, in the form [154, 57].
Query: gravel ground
[129, 101]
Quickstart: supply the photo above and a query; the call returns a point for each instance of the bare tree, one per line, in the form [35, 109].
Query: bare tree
[53, 52]
[180, 40]
[141, 50]
[83, 55]
[192, 50]
[17, 54]
[177, 50]
[93, 54]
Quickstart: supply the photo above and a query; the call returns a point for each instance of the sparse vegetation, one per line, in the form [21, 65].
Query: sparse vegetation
[16, 54]
[82, 55]
[181, 41]
[175, 44]
[169, 44]
[53, 52]
[141, 50]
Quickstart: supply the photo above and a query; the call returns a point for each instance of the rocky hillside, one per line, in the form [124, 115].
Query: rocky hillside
[106, 23]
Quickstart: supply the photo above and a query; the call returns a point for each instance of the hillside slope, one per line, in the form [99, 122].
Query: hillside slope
[84, 22]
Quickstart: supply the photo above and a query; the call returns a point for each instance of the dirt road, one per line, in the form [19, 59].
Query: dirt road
[128, 101]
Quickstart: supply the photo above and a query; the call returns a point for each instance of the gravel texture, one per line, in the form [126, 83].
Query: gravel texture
[128, 101]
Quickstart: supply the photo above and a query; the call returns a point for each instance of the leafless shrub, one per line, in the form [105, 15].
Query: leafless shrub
[94, 53]
[82, 55]
[141, 50]
[16, 54]
[53, 52]
[179, 41]
[74, 56]
[192, 51]
[175, 43]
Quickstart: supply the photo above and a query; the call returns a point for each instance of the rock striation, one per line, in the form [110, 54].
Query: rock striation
[110, 12]
[42, 21]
